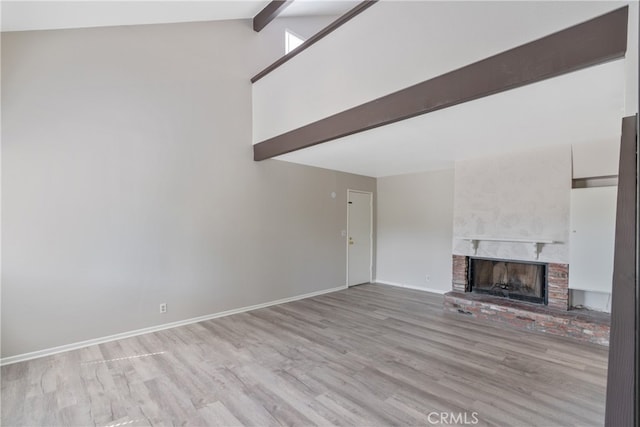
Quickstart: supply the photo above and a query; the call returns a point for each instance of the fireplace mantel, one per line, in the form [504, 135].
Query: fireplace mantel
[536, 244]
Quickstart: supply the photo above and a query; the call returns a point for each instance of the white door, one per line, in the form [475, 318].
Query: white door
[359, 237]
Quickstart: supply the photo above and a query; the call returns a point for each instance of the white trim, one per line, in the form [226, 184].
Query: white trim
[508, 239]
[370, 193]
[400, 285]
[536, 245]
[346, 242]
[81, 344]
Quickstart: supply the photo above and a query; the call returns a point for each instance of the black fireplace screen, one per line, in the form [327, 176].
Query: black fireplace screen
[516, 280]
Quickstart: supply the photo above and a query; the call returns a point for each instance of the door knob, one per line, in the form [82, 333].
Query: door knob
[351, 240]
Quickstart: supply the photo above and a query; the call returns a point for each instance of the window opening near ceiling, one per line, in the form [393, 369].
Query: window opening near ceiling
[291, 41]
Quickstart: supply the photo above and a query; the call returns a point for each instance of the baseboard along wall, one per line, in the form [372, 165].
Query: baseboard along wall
[81, 344]
[417, 288]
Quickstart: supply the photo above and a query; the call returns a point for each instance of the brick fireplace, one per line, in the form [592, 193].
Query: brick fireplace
[517, 280]
[549, 314]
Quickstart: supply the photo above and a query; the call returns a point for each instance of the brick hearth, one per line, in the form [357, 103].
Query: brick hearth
[554, 318]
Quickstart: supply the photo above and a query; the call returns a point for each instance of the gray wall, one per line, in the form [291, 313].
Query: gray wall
[128, 181]
[415, 222]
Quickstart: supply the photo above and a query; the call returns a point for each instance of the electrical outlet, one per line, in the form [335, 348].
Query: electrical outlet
[428, 278]
[163, 307]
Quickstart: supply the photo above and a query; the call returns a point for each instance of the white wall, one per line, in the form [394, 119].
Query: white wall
[596, 159]
[599, 301]
[128, 181]
[522, 195]
[414, 230]
[393, 45]
[589, 161]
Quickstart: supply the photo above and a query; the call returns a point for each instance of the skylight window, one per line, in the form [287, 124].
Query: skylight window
[291, 41]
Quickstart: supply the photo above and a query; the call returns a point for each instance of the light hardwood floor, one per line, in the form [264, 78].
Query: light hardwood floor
[369, 355]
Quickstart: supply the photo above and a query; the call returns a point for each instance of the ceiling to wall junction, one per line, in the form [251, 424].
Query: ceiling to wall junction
[49, 15]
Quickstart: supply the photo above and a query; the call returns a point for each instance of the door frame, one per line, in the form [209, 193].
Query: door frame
[370, 193]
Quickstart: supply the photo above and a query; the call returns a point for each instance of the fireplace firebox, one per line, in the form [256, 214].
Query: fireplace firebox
[519, 280]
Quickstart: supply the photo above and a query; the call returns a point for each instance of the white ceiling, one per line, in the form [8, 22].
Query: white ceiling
[319, 7]
[47, 15]
[22, 15]
[580, 107]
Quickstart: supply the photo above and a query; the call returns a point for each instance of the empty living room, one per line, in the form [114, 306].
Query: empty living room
[319, 213]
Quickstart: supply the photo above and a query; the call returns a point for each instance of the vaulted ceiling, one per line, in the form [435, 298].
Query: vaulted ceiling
[583, 106]
[46, 15]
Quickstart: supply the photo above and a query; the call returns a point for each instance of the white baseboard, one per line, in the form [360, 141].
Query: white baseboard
[400, 285]
[94, 341]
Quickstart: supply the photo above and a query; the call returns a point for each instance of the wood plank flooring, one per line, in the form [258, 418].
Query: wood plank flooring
[369, 355]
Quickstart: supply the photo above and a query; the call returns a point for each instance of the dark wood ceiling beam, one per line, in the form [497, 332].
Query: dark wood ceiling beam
[593, 42]
[269, 13]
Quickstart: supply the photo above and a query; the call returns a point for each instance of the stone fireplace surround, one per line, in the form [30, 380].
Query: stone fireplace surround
[554, 318]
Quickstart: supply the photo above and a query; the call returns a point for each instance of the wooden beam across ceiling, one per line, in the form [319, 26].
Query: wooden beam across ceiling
[269, 13]
[593, 42]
